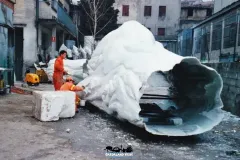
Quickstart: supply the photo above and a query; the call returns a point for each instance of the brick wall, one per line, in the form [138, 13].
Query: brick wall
[8, 3]
[230, 73]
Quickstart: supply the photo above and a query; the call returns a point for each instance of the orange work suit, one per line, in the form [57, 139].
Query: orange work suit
[69, 86]
[58, 73]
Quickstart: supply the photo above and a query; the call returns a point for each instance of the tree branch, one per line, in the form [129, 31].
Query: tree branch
[103, 13]
[87, 12]
[90, 5]
[90, 28]
[105, 25]
[100, 4]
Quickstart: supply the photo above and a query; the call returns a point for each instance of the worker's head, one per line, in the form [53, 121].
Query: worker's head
[63, 54]
[69, 79]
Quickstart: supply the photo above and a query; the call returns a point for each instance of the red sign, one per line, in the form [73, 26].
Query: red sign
[53, 39]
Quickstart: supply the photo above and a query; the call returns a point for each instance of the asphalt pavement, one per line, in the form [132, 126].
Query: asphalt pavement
[86, 136]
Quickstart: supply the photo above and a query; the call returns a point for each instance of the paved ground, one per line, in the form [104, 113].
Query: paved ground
[24, 138]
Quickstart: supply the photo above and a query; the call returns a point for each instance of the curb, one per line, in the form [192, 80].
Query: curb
[21, 90]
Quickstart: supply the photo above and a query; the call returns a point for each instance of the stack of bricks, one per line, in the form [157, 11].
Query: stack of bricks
[230, 73]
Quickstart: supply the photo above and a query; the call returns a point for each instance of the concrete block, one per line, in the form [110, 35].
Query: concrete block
[224, 80]
[238, 83]
[223, 74]
[52, 105]
[233, 66]
[238, 75]
[237, 105]
[224, 94]
[224, 98]
[229, 96]
[225, 88]
[228, 105]
[229, 81]
[233, 75]
[234, 90]
[237, 66]
[225, 66]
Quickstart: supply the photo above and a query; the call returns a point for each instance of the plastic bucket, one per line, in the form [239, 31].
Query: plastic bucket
[7, 89]
[82, 103]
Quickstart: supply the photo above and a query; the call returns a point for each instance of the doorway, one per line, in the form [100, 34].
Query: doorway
[18, 68]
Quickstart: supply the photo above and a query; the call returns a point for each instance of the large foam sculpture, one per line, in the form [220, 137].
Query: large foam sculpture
[75, 68]
[134, 78]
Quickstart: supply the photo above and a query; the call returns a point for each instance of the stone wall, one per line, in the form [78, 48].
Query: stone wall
[230, 73]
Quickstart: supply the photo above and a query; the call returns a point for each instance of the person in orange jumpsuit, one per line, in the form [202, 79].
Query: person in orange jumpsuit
[69, 86]
[59, 70]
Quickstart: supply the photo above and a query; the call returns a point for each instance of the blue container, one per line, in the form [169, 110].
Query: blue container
[66, 20]
[70, 44]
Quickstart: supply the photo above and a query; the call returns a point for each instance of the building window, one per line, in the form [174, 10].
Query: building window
[230, 30]
[239, 32]
[216, 35]
[205, 42]
[162, 11]
[147, 10]
[125, 10]
[190, 12]
[161, 31]
[209, 12]
[197, 40]
[186, 45]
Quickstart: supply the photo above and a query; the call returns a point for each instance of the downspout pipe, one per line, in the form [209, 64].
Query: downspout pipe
[234, 50]
[37, 20]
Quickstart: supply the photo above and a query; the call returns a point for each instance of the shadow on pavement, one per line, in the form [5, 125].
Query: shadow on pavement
[140, 133]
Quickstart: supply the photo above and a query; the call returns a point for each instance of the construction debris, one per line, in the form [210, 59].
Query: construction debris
[68, 130]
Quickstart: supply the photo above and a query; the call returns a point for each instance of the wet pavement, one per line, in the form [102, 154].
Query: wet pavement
[91, 131]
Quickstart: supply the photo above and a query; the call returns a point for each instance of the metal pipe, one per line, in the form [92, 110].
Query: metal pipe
[235, 40]
[163, 98]
[156, 95]
[37, 19]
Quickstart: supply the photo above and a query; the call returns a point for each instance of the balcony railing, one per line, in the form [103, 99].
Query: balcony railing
[52, 9]
[66, 20]
[54, 5]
